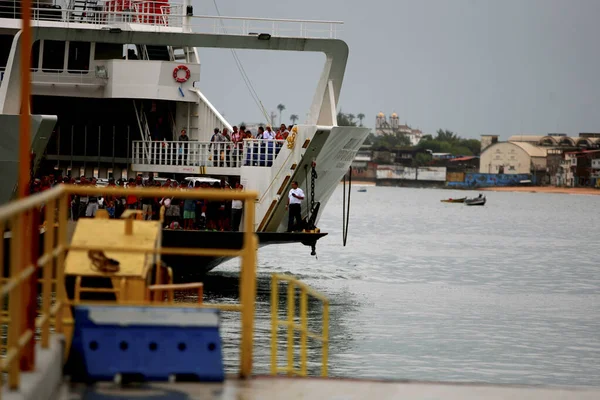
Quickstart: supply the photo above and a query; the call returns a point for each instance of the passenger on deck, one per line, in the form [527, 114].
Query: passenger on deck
[216, 145]
[132, 201]
[261, 132]
[183, 147]
[268, 134]
[237, 137]
[227, 147]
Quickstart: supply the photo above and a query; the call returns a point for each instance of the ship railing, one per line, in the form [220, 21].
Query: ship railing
[63, 76]
[251, 152]
[294, 323]
[260, 26]
[162, 14]
[27, 262]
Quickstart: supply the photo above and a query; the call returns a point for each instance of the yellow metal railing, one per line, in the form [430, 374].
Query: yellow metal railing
[293, 327]
[22, 219]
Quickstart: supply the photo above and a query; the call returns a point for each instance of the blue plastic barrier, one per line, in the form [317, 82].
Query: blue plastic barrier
[149, 343]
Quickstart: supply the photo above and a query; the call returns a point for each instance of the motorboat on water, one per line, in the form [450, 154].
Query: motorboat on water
[476, 201]
[113, 84]
[451, 200]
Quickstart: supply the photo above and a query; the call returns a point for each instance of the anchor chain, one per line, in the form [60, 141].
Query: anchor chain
[313, 177]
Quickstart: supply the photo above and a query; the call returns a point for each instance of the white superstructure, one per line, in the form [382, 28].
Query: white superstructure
[123, 77]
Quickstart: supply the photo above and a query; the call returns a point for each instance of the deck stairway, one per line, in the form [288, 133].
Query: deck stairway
[83, 10]
[158, 53]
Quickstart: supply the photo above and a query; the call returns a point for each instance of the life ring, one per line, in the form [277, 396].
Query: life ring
[176, 73]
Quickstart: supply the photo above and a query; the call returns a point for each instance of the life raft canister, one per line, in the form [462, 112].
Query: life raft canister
[176, 73]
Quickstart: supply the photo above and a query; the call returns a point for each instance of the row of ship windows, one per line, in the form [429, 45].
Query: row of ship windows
[49, 55]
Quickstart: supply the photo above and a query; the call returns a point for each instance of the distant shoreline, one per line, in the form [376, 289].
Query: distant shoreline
[358, 182]
[542, 189]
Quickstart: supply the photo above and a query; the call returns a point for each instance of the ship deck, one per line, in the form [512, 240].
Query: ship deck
[265, 388]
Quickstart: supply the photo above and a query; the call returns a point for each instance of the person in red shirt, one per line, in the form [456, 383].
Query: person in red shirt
[132, 201]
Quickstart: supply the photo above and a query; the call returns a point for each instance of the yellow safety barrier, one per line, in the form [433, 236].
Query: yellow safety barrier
[21, 218]
[292, 326]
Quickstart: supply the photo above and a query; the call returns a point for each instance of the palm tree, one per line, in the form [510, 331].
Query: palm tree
[350, 117]
[294, 118]
[360, 117]
[280, 107]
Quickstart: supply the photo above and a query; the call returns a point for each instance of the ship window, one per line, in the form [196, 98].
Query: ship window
[35, 55]
[54, 56]
[108, 51]
[79, 57]
[5, 45]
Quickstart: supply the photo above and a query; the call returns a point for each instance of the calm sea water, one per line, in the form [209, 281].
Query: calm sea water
[506, 293]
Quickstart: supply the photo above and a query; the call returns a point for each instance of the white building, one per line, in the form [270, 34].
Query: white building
[393, 127]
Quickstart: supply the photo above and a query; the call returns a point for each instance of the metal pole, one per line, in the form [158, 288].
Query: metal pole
[274, 322]
[29, 296]
[248, 289]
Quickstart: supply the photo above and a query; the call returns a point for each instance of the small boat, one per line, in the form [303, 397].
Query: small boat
[476, 201]
[362, 190]
[454, 200]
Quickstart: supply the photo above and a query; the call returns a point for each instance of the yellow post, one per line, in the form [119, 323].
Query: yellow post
[47, 271]
[14, 302]
[291, 310]
[304, 329]
[248, 289]
[325, 338]
[61, 295]
[274, 324]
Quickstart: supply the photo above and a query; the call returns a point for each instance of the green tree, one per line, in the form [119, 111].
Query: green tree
[344, 120]
[370, 139]
[421, 159]
[389, 142]
[446, 136]
[294, 118]
[280, 107]
[360, 117]
[447, 141]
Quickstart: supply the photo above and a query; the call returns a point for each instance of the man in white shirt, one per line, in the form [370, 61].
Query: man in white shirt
[294, 205]
[268, 134]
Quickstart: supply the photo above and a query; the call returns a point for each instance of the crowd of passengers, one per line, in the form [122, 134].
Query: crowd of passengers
[188, 214]
[222, 155]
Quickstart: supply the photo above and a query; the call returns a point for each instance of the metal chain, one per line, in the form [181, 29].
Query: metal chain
[313, 177]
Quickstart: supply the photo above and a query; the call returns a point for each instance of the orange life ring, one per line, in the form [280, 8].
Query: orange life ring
[176, 73]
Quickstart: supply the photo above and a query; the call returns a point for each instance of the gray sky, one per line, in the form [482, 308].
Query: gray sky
[472, 66]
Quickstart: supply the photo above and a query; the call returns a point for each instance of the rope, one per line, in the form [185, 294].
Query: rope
[346, 213]
[245, 77]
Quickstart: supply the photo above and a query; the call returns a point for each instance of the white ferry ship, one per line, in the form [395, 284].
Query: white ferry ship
[104, 71]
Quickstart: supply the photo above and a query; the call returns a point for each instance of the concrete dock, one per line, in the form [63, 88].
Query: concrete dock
[278, 388]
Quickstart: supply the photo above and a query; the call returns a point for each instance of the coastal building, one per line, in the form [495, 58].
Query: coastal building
[579, 168]
[513, 157]
[383, 126]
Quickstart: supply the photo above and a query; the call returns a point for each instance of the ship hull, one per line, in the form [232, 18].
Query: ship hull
[332, 150]
[192, 268]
